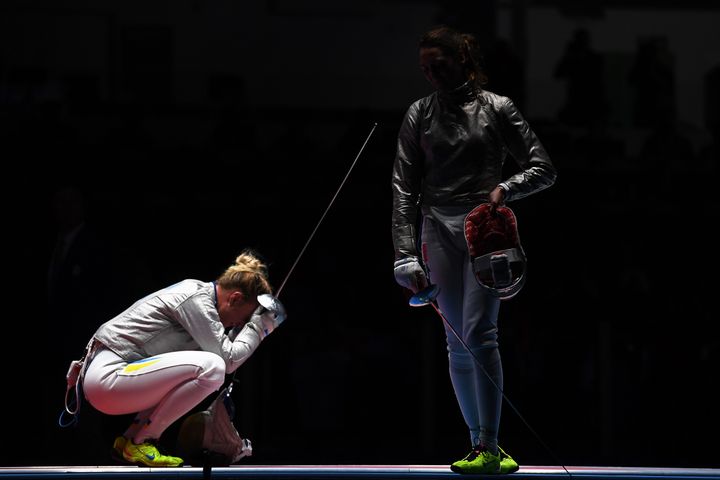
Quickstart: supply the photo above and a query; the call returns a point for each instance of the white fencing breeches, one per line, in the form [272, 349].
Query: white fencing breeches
[161, 388]
[473, 313]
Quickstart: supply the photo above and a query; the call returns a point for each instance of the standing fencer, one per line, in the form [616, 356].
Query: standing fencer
[170, 350]
[451, 148]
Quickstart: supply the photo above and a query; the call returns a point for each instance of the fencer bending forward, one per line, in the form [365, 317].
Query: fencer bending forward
[166, 353]
[451, 149]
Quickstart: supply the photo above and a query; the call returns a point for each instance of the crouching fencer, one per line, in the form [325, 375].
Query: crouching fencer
[170, 350]
[451, 148]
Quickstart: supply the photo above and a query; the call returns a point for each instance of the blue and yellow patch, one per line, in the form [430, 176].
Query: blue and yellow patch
[140, 364]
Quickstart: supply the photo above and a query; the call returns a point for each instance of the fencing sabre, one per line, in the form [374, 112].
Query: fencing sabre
[271, 302]
[282, 285]
[427, 296]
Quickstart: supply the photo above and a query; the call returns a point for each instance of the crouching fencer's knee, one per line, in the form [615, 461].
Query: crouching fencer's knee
[211, 371]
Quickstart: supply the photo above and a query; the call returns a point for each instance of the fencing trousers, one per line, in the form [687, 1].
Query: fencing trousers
[473, 313]
[160, 389]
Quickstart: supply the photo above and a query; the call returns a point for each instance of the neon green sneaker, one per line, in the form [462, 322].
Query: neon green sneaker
[478, 461]
[147, 454]
[507, 464]
[117, 451]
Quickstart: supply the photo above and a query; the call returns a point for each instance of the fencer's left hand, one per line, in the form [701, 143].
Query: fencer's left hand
[496, 197]
[268, 316]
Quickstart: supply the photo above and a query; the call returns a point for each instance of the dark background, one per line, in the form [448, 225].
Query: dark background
[185, 131]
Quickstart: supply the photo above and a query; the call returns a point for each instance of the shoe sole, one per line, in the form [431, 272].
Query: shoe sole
[140, 463]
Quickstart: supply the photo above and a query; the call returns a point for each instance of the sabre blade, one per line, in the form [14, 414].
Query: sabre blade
[282, 285]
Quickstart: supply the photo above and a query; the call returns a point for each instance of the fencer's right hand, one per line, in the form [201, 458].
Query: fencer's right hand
[410, 274]
[268, 316]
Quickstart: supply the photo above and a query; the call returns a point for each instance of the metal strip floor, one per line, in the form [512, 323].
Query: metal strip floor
[348, 472]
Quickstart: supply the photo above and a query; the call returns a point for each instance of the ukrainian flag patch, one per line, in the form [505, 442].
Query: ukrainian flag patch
[140, 364]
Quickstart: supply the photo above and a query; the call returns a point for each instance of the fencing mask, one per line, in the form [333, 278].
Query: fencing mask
[497, 257]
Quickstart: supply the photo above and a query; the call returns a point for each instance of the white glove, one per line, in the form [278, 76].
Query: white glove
[410, 274]
[268, 316]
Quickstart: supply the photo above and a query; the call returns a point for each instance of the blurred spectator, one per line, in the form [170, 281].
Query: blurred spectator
[653, 79]
[582, 68]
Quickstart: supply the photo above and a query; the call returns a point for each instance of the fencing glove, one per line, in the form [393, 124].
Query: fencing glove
[268, 316]
[410, 274]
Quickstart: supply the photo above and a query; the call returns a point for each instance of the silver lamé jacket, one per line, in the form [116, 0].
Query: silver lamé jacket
[180, 317]
[450, 152]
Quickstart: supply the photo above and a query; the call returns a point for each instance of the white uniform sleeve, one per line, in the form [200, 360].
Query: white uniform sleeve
[242, 347]
[199, 317]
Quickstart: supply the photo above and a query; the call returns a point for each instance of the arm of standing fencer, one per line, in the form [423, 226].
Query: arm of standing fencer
[406, 185]
[538, 171]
